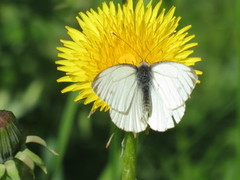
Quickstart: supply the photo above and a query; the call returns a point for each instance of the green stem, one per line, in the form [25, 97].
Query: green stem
[129, 157]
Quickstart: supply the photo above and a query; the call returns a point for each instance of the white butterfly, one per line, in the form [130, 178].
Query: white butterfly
[146, 95]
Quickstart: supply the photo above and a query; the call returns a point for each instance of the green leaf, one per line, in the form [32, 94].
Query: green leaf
[12, 170]
[37, 160]
[2, 170]
[38, 140]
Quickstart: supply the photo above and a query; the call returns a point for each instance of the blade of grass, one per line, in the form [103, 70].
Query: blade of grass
[237, 31]
[65, 127]
[113, 167]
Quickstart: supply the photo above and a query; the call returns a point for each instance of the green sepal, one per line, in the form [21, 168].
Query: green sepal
[11, 169]
[37, 160]
[2, 170]
[38, 140]
[24, 158]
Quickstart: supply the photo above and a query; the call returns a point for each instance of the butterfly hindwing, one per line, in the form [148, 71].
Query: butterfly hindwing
[160, 118]
[135, 119]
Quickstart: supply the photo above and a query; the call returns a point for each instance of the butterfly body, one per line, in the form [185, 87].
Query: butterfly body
[144, 79]
[146, 95]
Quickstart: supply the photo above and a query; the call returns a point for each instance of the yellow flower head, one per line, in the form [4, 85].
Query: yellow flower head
[120, 34]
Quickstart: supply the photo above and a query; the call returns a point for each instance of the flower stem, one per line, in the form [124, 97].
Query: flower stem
[129, 157]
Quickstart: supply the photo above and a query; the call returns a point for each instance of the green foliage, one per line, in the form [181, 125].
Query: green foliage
[205, 145]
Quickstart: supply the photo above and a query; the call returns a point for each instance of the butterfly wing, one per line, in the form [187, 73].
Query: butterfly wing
[135, 119]
[118, 87]
[172, 85]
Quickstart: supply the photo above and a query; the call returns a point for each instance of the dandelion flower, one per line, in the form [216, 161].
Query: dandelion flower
[123, 35]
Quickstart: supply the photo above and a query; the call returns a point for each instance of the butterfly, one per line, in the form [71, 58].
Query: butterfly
[146, 95]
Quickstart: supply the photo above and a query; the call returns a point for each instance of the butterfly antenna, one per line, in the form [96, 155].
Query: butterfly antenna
[127, 44]
[150, 51]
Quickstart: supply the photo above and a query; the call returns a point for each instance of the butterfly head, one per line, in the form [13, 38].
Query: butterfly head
[143, 63]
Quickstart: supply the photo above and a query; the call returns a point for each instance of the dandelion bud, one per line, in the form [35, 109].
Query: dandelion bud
[14, 153]
[11, 137]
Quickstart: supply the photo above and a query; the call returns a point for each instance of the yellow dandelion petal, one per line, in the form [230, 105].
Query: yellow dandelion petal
[64, 79]
[188, 46]
[148, 13]
[64, 63]
[155, 10]
[121, 34]
[183, 30]
[76, 36]
[198, 72]
[184, 54]
[69, 88]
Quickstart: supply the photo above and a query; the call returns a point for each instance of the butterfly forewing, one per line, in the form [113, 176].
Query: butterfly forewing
[174, 82]
[116, 86]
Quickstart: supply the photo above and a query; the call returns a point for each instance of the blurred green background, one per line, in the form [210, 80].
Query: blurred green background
[205, 145]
